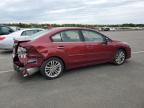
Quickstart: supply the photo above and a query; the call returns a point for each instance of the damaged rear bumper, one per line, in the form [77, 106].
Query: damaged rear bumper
[25, 71]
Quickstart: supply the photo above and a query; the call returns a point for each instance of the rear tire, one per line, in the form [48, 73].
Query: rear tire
[52, 68]
[119, 57]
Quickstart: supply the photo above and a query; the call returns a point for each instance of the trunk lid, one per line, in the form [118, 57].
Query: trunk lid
[18, 42]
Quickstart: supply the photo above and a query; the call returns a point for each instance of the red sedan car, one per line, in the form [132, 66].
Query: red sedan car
[53, 51]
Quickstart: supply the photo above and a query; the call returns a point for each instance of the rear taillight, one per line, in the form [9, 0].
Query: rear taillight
[22, 52]
[2, 38]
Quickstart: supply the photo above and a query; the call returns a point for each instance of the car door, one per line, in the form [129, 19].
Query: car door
[97, 49]
[73, 46]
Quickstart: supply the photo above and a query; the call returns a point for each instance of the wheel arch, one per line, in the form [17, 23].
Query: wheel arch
[122, 48]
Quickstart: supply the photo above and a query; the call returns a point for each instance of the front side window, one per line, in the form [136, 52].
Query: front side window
[70, 36]
[91, 36]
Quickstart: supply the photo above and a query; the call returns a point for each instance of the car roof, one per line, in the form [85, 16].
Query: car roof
[31, 29]
[22, 30]
[58, 29]
[28, 29]
[69, 28]
[4, 26]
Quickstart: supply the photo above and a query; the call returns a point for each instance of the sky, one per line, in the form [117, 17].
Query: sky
[72, 11]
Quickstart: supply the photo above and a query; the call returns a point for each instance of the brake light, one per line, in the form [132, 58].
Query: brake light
[22, 52]
[2, 38]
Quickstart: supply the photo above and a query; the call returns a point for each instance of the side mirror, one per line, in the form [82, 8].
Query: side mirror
[106, 40]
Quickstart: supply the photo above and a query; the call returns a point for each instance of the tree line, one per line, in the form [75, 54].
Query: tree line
[34, 25]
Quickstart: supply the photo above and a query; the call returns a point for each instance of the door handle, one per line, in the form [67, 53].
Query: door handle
[60, 47]
[89, 46]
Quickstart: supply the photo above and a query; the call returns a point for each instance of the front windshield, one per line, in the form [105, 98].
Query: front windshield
[39, 34]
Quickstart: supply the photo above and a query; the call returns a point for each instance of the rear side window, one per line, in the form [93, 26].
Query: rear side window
[29, 32]
[71, 36]
[67, 36]
[91, 36]
[57, 38]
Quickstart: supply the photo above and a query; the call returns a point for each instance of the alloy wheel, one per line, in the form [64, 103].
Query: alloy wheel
[120, 57]
[53, 68]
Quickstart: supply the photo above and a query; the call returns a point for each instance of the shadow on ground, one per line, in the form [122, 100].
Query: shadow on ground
[68, 73]
[5, 52]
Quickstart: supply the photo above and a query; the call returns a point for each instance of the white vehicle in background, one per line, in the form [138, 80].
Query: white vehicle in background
[7, 41]
[113, 29]
[15, 28]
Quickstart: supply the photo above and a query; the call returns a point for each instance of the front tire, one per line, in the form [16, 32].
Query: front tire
[52, 68]
[119, 57]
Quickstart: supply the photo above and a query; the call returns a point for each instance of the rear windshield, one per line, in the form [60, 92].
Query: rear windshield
[39, 34]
